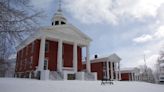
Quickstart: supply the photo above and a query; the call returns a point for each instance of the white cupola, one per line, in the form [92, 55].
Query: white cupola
[58, 18]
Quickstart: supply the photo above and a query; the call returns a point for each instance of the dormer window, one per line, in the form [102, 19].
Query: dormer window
[56, 22]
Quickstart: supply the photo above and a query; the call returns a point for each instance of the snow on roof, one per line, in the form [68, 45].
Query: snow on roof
[128, 69]
[112, 58]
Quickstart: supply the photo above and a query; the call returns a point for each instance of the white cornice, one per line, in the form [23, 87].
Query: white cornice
[67, 33]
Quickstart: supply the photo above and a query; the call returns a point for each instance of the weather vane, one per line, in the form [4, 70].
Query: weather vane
[59, 6]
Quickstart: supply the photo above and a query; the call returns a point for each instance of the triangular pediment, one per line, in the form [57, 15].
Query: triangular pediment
[114, 58]
[69, 30]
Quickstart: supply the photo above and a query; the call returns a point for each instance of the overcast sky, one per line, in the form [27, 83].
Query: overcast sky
[129, 28]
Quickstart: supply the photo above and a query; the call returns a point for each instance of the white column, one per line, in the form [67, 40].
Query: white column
[132, 76]
[116, 71]
[111, 70]
[41, 53]
[88, 66]
[60, 56]
[119, 72]
[107, 65]
[30, 75]
[75, 57]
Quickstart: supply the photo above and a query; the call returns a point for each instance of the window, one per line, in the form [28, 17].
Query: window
[22, 53]
[18, 56]
[46, 46]
[25, 64]
[33, 47]
[45, 64]
[56, 22]
[27, 50]
[104, 65]
[31, 61]
[52, 23]
[71, 76]
[20, 67]
[62, 22]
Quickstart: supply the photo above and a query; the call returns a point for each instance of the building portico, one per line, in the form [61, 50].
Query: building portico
[60, 62]
[106, 67]
[58, 51]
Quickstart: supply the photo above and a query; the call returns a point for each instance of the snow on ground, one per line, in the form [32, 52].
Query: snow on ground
[29, 85]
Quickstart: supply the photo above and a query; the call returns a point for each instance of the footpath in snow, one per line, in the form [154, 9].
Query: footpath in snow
[28, 85]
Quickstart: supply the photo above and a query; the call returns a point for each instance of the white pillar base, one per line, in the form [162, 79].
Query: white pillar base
[80, 76]
[45, 75]
[95, 75]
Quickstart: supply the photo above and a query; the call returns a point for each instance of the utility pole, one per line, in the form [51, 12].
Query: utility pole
[146, 74]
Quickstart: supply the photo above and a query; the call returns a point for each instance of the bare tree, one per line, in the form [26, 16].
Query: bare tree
[161, 53]
[17, 20]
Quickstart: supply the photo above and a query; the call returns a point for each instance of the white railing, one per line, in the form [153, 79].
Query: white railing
[68, 68]
[54, 75]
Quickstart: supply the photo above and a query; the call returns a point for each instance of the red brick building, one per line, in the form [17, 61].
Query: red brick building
[54, 52]
[129, 74]
[106, 67]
